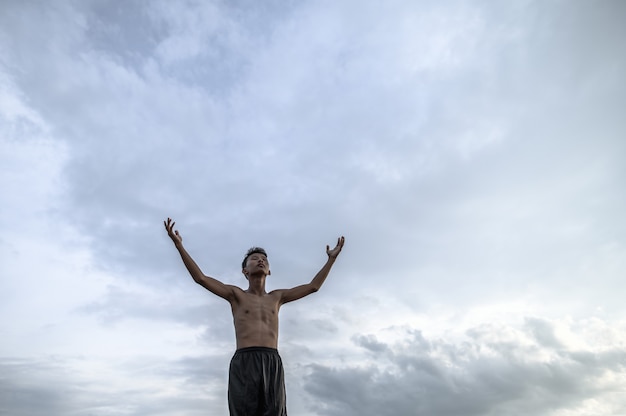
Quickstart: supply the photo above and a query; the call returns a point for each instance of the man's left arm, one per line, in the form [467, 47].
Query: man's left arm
[298, 292]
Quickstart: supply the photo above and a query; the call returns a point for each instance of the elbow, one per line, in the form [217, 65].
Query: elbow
[314, 289]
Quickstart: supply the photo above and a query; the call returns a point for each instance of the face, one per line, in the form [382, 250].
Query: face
[257, 263]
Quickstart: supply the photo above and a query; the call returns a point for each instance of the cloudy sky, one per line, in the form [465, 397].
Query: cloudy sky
[473, 154]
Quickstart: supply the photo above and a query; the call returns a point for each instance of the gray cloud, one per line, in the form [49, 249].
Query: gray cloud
[474, 377]
[172, 149]
[22, 393]
[121, 303]
[60, 386]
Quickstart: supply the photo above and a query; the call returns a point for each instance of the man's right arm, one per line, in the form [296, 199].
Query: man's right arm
[213, 285]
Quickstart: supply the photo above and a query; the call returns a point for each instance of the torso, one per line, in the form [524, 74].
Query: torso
[256, 319]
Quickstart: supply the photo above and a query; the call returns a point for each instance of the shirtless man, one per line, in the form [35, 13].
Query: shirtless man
[256, 385]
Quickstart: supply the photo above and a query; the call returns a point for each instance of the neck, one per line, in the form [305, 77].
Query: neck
[256, 284]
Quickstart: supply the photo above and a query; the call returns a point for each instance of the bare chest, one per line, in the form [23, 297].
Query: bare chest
[255, 308]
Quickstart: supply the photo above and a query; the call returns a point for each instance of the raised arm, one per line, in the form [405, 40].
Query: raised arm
[298, 292]
[211, 284]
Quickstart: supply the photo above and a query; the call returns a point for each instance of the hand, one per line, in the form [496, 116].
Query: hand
[335, 251]
[169, 226]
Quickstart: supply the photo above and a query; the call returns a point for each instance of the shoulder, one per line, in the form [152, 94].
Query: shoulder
[277, 293]
[236, 289]
[237, 292]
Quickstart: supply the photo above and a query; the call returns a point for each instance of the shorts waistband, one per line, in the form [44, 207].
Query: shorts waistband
[256, 349]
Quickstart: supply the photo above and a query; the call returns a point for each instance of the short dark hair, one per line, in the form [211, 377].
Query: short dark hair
[250, 252]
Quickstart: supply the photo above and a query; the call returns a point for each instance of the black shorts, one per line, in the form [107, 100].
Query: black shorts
[256, 383]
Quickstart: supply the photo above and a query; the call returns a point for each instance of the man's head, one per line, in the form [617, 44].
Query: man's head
[255, 259]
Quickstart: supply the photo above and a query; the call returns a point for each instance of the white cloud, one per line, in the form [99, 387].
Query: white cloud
[493, 370]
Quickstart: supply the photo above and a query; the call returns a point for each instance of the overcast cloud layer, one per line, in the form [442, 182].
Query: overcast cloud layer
[472, 153]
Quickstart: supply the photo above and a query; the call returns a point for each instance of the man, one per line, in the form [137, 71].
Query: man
[256, 385]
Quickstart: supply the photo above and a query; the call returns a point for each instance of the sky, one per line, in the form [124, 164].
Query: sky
[472, 153]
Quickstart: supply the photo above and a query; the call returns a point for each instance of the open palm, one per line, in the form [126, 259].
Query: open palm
[335, 251]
